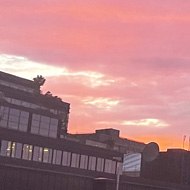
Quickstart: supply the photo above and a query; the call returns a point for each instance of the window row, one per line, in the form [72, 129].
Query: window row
[16, 86]
[14, 118]
[43, 125]
[18, 120]
[58, 157]
[29, 105]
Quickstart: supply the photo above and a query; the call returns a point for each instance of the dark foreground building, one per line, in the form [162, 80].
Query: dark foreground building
[35, 155]
[171, 166]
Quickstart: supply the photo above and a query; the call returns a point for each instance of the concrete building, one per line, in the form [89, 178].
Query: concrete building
[110, 139]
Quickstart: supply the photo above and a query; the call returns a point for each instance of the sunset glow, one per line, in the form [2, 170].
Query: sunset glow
[121, 64]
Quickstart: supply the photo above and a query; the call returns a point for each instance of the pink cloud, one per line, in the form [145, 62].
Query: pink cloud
[142, 45]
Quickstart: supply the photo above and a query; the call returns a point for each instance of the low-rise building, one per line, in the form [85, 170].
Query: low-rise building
[110, 139]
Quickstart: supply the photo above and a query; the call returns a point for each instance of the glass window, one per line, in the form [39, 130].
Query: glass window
[13, 149]
[3, 123]
[18, 150]
[5, 116]
[14, 112]
[108, 166]
[43, 132]
[37, 153]
[57, 154]
[100, 165]
[14, 118]
[45, 119]
[92, 163]
[84, 161]
[75, 160]
[35, 123]
[66, 160]
[27, 152]
[5, 148]
[54, 121]
[53, 127]
[47, 155]
[36, 117]
[113, 167]
[12, 125]
[24, 114]
[44, 125]
[23, 120]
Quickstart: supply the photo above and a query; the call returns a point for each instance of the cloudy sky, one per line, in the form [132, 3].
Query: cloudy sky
[121, 64]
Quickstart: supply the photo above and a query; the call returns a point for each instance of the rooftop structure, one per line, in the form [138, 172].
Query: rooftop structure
[110, 139]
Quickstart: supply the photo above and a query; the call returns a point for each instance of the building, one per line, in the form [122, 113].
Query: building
[110, 139]
[37, 154]
[23, 108]
[33, 127]
[170, 166]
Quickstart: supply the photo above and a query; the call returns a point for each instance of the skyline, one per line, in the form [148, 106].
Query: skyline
[121, 64]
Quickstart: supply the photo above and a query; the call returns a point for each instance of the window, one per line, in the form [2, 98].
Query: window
[84, 161]
[75, 160]
[113, 167]
[66, 160]
[5, 148]
[100, 165]
[27, 152]
[44, 126]
[47, 155]
[57, 154]
[37, 154]
[23, 123]
[92, 163]
[18, 150]
[108, 165]
[14, 118]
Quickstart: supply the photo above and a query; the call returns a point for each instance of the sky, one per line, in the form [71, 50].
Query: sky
[122, 64]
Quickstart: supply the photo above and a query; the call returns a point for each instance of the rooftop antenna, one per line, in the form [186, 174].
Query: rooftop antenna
[184, 137]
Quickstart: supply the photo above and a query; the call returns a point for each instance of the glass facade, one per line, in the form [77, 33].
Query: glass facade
[19, 120]
[43, 125]
[57, 157]
[14, 118]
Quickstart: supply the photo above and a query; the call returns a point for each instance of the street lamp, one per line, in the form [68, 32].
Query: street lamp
[119, 160]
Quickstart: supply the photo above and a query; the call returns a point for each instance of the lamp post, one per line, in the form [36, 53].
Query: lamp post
[118, 177]
[118, 159]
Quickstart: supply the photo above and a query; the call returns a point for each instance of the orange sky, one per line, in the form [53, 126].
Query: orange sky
[123, 64]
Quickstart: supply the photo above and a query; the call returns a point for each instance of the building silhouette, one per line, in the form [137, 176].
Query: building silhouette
[36, 153]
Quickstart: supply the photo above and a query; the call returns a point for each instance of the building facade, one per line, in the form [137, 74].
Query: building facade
[33, 128]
